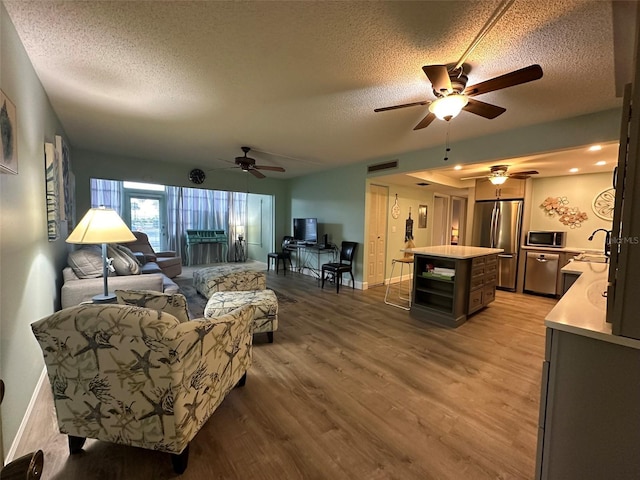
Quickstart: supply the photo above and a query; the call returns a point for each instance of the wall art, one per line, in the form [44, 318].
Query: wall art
[603, 204]
[8, 136]
[66, 197]
[572, 217]
[51, 165]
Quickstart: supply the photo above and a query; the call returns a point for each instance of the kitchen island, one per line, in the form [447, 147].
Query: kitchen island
[589, 424]
[451, 282]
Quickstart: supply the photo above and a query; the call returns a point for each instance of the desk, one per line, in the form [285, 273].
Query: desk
[199, 237]
[305, 254]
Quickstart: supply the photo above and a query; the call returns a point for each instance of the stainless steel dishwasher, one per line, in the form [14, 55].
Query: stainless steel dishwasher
[541, 272]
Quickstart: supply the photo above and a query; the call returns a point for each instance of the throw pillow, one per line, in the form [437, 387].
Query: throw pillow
[86, 261]
[174, 304]
[123, 263]
[129, 253]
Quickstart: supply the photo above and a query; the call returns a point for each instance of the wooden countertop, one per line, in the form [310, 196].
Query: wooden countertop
[582, 310]
[454, 251]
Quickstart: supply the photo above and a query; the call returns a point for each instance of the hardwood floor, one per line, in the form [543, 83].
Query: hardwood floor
[354, 389]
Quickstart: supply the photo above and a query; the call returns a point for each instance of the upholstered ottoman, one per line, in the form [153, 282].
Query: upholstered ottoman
[266, 313]
[224, 278]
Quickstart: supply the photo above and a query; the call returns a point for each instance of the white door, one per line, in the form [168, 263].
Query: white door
[377, 234]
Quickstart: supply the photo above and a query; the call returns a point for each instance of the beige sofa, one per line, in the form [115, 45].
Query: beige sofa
[83, 277]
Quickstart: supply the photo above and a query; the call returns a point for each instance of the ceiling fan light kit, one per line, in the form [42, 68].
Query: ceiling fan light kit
[448, 107]
[498, 179]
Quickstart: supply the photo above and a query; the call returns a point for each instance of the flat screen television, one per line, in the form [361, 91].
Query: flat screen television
[305, 229]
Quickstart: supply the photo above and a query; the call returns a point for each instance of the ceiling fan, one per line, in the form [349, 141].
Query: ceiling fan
[449, 84]
[248, 164]
[498, 174]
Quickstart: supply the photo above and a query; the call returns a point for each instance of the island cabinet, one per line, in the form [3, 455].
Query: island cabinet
[512, 188]
[449, 301]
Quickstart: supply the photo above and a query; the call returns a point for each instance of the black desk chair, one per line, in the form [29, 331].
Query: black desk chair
[283, 255]
[347, 253]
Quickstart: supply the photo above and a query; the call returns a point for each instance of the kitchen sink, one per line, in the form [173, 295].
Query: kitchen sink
[590, 257]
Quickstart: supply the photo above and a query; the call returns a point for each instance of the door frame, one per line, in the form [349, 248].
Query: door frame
[150, 195]
[368, 207]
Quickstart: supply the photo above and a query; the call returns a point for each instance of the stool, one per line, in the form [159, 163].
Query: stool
[228, 278]
[265, 319]
[402, 261]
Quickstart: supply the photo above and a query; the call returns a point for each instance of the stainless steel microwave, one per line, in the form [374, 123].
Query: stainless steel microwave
[539, 238]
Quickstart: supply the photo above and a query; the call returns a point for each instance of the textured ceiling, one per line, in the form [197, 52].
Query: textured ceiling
[193, 81]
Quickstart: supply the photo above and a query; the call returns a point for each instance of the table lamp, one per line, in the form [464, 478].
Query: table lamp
[101, 226]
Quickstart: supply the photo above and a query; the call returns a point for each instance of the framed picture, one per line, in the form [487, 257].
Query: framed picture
[66, 195]
[8, 135]
[422, 216]
[52, 176]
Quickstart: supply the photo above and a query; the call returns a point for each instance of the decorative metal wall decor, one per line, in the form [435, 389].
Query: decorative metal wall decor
[603, 204]
[572, 217]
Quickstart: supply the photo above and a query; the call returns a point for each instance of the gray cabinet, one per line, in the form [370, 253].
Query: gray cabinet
[451, 301]
[589, 424]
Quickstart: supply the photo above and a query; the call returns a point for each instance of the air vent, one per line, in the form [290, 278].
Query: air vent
[382, 166]
[422, 184]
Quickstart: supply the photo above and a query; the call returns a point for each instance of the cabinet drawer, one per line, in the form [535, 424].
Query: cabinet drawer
[475, 300]
[489, 259]
[478, 261]
[491, 268]
[489, 294]
[476, 282]
[491, 278]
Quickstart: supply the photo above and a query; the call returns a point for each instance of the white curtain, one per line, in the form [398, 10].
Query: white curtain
[107, 193]
[188, 209]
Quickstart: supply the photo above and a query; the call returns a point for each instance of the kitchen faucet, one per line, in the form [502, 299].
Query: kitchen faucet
[607, 240]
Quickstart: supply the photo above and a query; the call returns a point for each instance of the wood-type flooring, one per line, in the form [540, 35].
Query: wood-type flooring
[353, 389]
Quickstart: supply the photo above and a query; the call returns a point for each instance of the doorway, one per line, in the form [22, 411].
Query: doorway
[441, 224]
[145, 212]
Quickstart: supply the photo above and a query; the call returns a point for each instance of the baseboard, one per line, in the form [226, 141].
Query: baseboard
[23, 424]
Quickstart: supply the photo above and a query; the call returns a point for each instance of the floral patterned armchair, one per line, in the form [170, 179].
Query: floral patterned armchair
[137, 376]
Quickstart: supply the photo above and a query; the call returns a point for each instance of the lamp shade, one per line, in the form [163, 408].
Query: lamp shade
[445, 108]
[101, 225]
[498, 179]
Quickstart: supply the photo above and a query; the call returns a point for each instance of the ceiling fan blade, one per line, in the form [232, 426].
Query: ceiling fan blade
[517, 77]
[483, 109]
[267, 167]
[255, 173]
[439, 77]
[524, 174]
[474, 178]
[384, 109]
[425, 122]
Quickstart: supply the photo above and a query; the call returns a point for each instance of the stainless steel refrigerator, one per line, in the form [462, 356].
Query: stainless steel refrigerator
[497, 224]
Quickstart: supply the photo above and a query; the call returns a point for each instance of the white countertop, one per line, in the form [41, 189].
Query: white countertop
[582, 310]
[454, 251]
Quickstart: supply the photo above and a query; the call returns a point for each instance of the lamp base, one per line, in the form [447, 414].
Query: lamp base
[102, 298]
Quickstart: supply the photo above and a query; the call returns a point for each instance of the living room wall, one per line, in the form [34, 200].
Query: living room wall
[30, 265]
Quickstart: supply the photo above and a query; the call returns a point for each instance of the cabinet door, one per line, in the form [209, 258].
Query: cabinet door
[485, 190]
[512, 188]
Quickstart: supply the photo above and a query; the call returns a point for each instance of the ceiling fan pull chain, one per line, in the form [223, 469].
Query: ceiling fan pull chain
[446, 144]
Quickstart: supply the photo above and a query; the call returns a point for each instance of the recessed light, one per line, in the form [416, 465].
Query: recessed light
[458, 167]
[573, 170]
[595, 148]
[600, 163]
